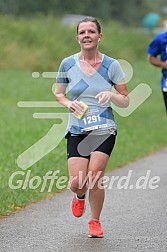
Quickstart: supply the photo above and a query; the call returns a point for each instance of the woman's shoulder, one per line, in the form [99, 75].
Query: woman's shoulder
[107, 60]
[68, 60]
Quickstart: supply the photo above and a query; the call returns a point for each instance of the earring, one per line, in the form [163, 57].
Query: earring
[99, 40]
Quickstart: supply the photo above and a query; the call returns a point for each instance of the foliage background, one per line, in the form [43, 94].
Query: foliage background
[128, 12]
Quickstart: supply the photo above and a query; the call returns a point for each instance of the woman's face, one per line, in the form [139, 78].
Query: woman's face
[88, 35]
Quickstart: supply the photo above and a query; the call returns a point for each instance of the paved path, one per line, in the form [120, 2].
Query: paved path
[132, 219]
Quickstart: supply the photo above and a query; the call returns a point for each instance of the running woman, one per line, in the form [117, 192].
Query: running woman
[84, 85]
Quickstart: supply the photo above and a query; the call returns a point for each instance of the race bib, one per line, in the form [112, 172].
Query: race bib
[93, 119]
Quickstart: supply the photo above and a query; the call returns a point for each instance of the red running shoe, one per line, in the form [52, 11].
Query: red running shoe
[77, 206]
[95, 230]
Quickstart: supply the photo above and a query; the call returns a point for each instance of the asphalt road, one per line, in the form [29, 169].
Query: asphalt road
[133, 218]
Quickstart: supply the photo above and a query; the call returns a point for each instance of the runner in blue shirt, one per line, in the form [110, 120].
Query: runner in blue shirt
[91, 131]
[158, 47]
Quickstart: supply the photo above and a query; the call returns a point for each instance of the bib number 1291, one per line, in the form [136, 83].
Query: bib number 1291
[91, 119]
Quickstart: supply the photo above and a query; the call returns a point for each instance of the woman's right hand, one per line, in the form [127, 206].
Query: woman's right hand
[75, 107]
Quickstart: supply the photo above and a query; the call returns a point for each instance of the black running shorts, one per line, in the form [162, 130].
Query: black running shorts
[82, 145]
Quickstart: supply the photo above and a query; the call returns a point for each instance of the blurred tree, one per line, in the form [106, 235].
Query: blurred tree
[129, 12]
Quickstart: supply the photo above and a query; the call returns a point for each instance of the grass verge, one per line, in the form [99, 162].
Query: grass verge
[138, 134]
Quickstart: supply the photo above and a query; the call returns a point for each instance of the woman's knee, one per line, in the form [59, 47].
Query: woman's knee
[77, 184]
[94, 179]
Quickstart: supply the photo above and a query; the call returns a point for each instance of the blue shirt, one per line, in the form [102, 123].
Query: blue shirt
[84, 87]
[158, 46]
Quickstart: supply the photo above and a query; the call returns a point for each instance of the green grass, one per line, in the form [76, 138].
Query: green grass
[19, 131]
[139, 134]
[144, 130]
[39, 45]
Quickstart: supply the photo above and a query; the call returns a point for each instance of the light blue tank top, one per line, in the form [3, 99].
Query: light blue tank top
[83, 87]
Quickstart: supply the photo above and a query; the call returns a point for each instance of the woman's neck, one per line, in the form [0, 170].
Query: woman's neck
[91, 57]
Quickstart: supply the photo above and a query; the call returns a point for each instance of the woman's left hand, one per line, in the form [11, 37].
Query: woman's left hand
[104, 97]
